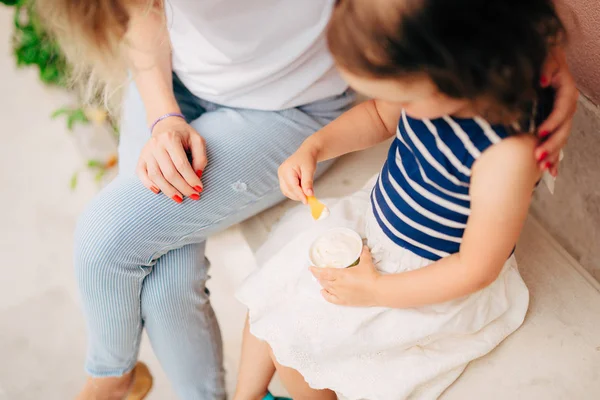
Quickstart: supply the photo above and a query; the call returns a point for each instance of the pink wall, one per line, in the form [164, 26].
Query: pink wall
[584, 47]
[572, 214]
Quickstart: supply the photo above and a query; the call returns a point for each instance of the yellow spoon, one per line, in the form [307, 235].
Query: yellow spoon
[318, 210]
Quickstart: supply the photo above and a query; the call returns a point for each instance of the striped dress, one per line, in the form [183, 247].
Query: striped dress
[413, 213]
[421, 199]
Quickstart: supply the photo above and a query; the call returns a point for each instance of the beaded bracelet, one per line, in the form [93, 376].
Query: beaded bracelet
[164, 117]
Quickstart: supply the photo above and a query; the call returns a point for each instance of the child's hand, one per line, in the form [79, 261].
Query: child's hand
[355, 286]
[296, 174]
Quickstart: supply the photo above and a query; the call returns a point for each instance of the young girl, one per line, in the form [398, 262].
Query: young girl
[437, 285]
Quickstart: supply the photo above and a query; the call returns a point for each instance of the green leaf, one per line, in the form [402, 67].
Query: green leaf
[99, 175]
[28, 37]
[79, 116]
[70, 122]
[73, 183]
[116, 130]
[27, 55]
[94, 164]
[75, 116]
[21, 18]
[49, 74]
[59, 112]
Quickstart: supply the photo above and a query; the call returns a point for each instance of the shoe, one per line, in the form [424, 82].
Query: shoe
[142, 383]
[269, 396]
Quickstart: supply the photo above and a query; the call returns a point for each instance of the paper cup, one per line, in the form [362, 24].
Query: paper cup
[356, 251]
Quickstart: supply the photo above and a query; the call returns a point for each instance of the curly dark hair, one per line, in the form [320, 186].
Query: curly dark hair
[489, 51]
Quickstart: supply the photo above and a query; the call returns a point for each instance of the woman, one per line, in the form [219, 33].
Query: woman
[252, 81]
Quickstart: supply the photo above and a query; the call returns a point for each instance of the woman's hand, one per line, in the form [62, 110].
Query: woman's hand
[556, 129]
[355, 286]
[164, 166]
[296, 174]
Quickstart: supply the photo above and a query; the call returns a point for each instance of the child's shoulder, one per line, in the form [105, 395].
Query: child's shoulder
[517, 147]
[513, 154]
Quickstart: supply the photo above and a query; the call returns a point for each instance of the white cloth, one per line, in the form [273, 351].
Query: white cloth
[258, 54]
[371, 353]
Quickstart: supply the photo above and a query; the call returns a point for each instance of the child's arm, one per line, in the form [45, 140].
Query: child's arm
[363, 126]
[501, 189]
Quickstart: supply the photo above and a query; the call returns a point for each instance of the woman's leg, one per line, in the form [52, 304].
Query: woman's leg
[140, 257]
[134, 135]
[297, 387]
[256, 368]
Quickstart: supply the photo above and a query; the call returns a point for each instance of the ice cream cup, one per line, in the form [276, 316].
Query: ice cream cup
[336, 248]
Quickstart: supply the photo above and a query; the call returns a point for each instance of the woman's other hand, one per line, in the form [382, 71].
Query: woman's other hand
[164, 165]
[557, 128]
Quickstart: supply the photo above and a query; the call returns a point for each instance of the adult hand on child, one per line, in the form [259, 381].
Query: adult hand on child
[296, 174]
[354, 286]
[557, 128]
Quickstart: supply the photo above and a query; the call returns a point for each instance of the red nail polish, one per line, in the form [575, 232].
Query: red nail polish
[198, 189]
[543, 81]
[547, 165]
[154, 189]
[543, 134]
[199, 173]
[177, 198]
[543, 156]
[195, 196]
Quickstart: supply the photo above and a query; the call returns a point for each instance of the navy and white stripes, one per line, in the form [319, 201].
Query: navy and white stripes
[421, 199]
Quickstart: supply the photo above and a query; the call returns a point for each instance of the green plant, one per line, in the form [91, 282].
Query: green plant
[73, 116]
[99, 168]
[33, 46]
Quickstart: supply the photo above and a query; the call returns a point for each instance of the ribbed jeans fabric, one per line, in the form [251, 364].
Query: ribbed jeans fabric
[139, 257]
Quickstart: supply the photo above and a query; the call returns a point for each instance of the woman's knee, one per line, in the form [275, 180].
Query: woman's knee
[110, 232]
[176, 290]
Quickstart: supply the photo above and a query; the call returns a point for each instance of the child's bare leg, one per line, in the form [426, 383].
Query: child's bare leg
[297, 386]
[256, 368]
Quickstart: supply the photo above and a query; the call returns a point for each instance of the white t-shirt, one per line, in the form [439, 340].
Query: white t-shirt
[259, 54]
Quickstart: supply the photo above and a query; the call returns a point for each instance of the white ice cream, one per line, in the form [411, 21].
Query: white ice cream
[336, 248]
[324, 214]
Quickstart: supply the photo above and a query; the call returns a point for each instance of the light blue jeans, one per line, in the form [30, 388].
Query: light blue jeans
[139, 257]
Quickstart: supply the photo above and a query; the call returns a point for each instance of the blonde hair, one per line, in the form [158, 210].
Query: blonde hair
[92, 35]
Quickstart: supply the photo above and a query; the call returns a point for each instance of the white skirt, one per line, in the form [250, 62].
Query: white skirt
[371, 353]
